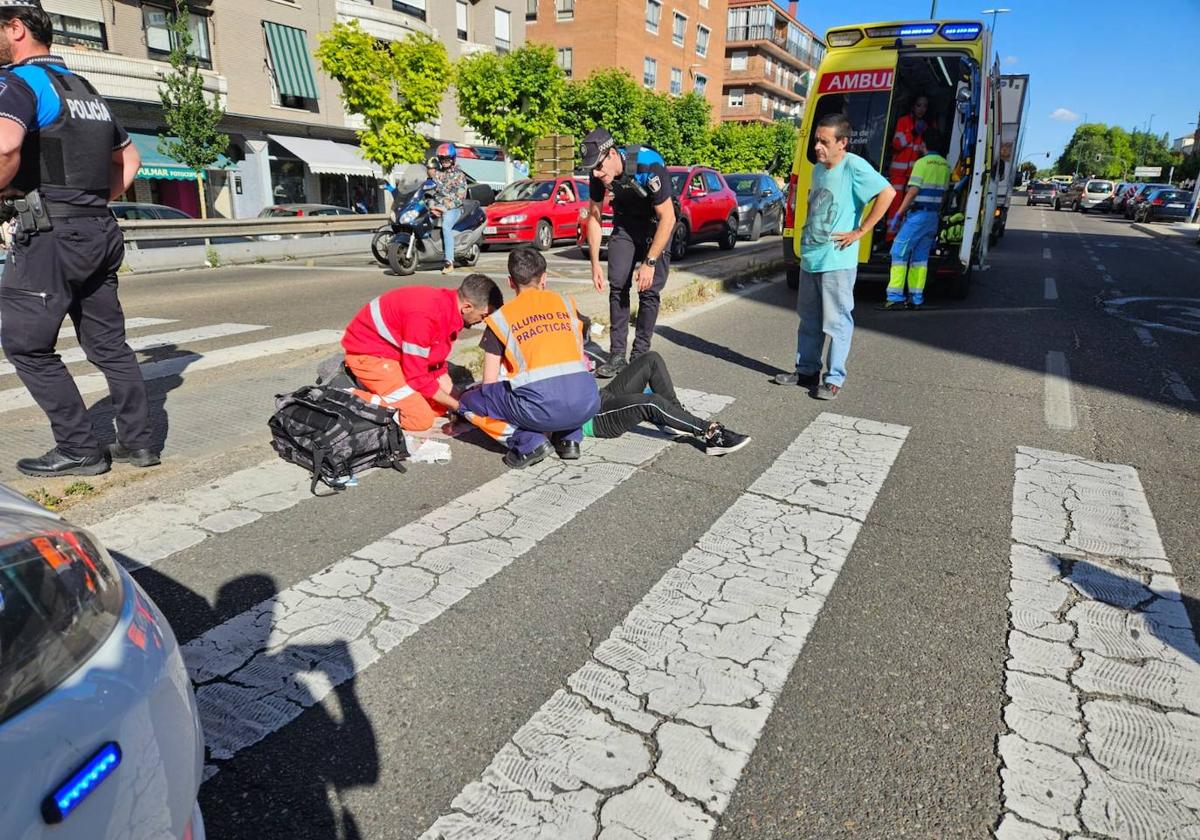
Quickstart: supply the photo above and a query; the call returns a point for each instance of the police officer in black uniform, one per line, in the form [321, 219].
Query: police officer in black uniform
[62, 158]
[643, 221]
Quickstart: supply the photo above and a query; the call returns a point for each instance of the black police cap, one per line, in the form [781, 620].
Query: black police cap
[595, 146]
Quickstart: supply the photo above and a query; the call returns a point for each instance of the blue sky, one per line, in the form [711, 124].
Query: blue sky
[1079, 73]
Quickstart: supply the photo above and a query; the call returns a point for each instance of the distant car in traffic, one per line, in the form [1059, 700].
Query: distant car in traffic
[1086, 195]
[142, 211]
[1165, 205]
[1043, 192]
[707, 211]
[99, 734]
[760, 204]
[1139, 195]
[538, 211]
[296, 210]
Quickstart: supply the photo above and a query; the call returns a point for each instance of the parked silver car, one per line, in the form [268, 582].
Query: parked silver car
[99, 735]
[1083, 196]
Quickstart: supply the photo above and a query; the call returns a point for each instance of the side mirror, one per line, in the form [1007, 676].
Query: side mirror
[766, 194]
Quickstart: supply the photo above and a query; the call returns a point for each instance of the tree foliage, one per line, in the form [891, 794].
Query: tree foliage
[693, 116]
[753, 147]
[610, 98]
[512, 99]
[191, 118]
[1028, 170]
[1104, 151]
[393, 86]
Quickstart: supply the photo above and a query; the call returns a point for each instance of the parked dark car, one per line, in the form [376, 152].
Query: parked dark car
[1140, 195]
[140, 211]
[760, 204]
[1165, 205]
[295, 210]
[1043, 192]
[708, 209]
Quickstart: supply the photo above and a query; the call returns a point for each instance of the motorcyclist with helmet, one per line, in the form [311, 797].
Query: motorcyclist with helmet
[449, 194]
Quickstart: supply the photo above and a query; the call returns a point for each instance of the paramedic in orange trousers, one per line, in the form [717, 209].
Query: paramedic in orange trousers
[908, 146]
[397, 346]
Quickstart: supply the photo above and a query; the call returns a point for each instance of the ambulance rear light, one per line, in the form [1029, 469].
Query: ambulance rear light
[961, 31]
[789, 213]
[844, 37]
[910, 30]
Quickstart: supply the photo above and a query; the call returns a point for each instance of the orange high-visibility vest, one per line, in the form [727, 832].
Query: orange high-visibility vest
[907, 149]
[542, 336]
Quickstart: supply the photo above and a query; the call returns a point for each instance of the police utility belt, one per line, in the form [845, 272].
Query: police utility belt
[33, 214]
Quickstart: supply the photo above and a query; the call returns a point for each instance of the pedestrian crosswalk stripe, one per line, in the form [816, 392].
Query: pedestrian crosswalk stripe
[650, 736]
[247, 685]
[130, 324]
[159, 340]
[1103, 671]
[92, 383]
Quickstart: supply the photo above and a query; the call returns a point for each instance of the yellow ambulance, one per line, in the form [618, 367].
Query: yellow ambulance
[872, 73]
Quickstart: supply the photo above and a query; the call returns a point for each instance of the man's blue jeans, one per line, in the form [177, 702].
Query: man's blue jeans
[449, 220]
[825, 303]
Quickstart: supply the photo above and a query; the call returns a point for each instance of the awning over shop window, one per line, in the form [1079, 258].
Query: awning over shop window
[325, 157]
[291, 61]
[80, 9]
[157, 165]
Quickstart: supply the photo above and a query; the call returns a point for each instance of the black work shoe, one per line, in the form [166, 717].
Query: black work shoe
[894, 306]
[721, 441]
[568, 450]
[611, 368]
[56, 463]
[137, 457]
[534, 456]
[804, 380]
[916, 307]
[828, 392]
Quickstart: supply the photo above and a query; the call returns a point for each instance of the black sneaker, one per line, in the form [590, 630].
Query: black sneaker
[611, 368]
[56, 463]
[894, 306]
[804, 380]
[828, 392]
[721, 441]
[534, 456]
[915, 307]
[137, 457]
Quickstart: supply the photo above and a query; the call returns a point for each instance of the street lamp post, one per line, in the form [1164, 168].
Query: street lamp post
[995, 13]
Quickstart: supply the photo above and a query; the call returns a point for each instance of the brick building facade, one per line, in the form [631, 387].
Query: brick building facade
[770, 61]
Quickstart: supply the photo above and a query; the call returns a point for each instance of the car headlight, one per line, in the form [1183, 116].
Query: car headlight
[512, 220]
[409, 216]
[61, 595]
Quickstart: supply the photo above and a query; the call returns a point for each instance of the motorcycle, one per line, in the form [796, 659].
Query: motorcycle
[418, 238]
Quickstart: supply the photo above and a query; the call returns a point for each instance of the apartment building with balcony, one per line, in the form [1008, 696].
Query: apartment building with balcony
[771, 59]
[290, 138]
[671, 46]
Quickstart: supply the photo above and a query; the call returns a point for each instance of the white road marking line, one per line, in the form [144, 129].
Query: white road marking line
[251, 677]
[159, 340]
[130, 324]
[1145, 337]
[1059, 410]
[1045, 253]
[1178, 387]
[1103, 674]
[92, 383]
[650, 736]
[1051, 291]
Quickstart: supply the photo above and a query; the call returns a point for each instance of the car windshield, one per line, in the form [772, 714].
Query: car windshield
[526, 191]
[1174, 195]
[677, 181]
[742, 184]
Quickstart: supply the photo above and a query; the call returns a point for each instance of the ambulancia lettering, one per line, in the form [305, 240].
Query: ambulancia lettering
[857, 80]
[88, 110]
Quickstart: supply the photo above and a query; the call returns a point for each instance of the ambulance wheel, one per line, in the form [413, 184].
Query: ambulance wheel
[400, 261]
[793, 278]
[543, 237]
[728, 236]
[471, 257]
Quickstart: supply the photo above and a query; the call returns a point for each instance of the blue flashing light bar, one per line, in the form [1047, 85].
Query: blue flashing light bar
[58, 805]
[961, 31]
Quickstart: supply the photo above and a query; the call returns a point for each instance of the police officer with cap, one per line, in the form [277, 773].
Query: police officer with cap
[63, 157]
[638, 253]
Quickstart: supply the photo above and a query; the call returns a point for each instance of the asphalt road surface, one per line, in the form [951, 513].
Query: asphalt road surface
[958, 600]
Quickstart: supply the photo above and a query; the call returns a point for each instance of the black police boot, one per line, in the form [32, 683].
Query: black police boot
[137, 457]
[611, 368]
[56, 463]
[568, 450]
[534, 456]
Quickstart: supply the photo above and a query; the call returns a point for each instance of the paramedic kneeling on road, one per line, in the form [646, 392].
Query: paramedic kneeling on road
[643, 221]
[549, 393]
[397, 346]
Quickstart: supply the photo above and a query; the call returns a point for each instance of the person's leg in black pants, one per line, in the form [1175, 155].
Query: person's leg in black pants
[621, 255]
[624, 403]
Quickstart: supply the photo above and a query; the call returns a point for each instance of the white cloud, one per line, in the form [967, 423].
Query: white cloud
[1010, 60]
[1064, 115]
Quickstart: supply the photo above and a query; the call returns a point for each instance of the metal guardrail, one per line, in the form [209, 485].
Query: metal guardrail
[171, 230]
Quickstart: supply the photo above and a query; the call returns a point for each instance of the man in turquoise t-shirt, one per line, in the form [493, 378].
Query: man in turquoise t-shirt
[842, 185]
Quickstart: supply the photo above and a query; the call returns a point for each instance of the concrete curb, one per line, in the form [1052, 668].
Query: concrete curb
[1176, 231]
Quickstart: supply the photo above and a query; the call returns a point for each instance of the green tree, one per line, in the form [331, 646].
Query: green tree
[783, 143]
[692, 114]
[190, 117]
[661, 129]
[1027, 170]
[512, 99]
[393, 86]
[741, 147]
[610, 98]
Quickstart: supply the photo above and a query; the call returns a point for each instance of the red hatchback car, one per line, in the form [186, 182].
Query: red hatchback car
[707, 209]
[536, 210]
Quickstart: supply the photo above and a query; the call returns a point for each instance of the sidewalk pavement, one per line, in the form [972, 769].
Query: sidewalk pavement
[1178, 231]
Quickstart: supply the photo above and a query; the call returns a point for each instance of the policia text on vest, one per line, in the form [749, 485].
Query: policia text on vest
[62, 150]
